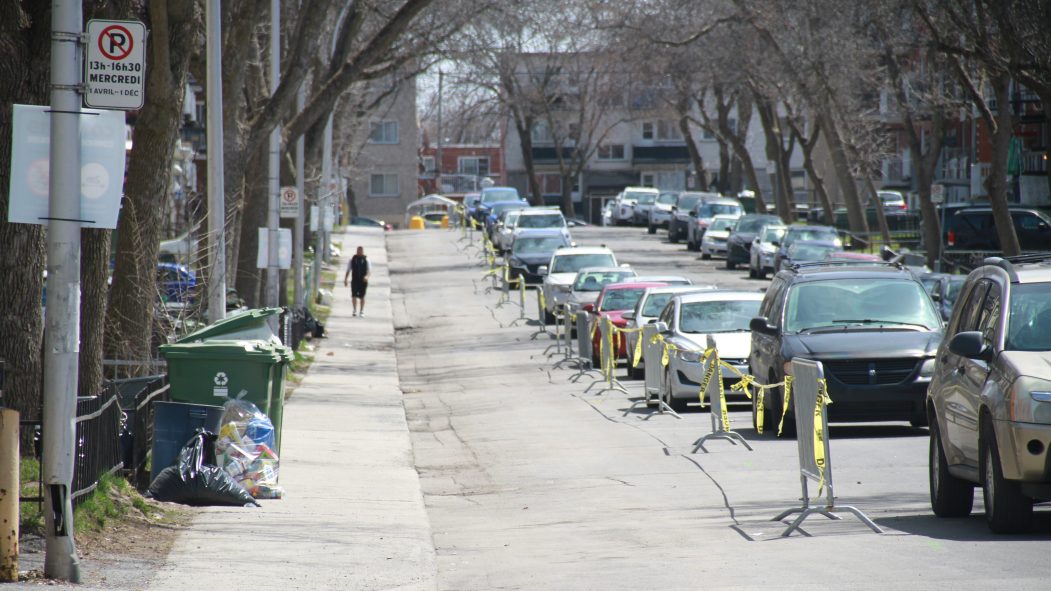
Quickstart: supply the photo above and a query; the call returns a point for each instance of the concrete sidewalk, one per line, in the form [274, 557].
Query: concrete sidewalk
[353, 515]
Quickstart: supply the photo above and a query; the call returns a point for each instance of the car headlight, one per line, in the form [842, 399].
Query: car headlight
[838, 243]
[690, 356]
[927, 369]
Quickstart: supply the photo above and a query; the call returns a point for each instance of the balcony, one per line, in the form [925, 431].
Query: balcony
[660, 155]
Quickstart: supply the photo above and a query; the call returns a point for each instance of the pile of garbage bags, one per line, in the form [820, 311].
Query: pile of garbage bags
[235, 467]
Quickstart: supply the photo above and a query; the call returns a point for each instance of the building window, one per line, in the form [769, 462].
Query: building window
[541, 133]
[428, 164]
[550, 184]
[476, 165]
[668, 130]
[706, 134]
[611, 152]
[383, 185]
[384, 132]
[647, 130]
[648, 179]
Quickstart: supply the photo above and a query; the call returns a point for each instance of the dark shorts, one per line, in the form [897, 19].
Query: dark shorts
[357, 288]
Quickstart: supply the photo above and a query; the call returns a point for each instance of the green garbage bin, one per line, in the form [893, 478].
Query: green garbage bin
[212, 372]
[247, 325]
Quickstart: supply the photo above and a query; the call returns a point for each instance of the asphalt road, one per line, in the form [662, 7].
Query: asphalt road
[530, 483]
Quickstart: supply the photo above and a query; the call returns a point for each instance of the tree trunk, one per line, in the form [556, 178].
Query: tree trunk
[737, 142]
[1005, 228]
[775, 153]
[881, 216]
[94, 267]
[925, 165]
[174, 30]
[567, 196]
[253, 216]
[25, 51]
[695, 155]
[841, 165]
[525, 141]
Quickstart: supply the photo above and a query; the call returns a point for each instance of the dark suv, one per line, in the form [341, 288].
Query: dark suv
[973, 229]
[739, 244]
[874, 328]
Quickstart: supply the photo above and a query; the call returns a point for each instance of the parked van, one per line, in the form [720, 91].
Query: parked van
[974, 229]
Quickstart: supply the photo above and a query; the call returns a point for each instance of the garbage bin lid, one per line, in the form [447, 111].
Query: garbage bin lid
[258, 351]
[246, 320]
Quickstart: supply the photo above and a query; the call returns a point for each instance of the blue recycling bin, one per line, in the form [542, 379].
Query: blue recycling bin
[174, 423]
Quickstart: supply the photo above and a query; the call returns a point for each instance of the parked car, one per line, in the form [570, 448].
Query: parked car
[989, 402]
[470, 204]
[504, 228]
[537, 218]
[589, 281]
[358, 220]
[679, 222]
[646, 310]
[873, 327]
[805, 251]
[714, 241]
[974, 229]
[666, 279]
[739, 244]
[493, 214]
[660, 212]
[893, 202]
[794, 233]
[764, 249]
[491, 195]
[704, 212]
[642, 207]
[559, 272]
[624, 209]
[686, 321]
[532, 249]
[944, 289]
[177, 283]
[612, 302]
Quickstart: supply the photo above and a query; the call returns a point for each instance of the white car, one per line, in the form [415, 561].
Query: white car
[646, 310]
[764, 250]
[702, 215]
[538, 218]
[504, 229]
[685, 323]
[660, 212]
[624, 209]
[643, 206]
[562, 269]
[714, 241]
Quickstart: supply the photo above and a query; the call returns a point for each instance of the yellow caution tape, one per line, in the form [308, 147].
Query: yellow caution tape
[638, 352]
[819, 432]
[784, 409]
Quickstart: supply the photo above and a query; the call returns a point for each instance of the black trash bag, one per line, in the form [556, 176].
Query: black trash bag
[195, 479]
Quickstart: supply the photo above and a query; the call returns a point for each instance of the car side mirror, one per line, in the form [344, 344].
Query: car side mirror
[541, 270]
[761, 325]
[675, 208]
[937, 297]
[971, 345]
[775, 243]
[628, 316]
[662, 327]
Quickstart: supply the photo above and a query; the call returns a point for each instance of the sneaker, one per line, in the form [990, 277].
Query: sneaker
[354, 314]
[362, 314]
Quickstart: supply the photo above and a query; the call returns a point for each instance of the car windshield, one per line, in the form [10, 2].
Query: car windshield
[809, 252]
[595, 280]
[712, 209]
[530, 244]
[620, 299]
[667, 199]
[687, 202]
[655, 303]
[721, 225]
[828, 234]
[773, 234]
[501, 208]
[647, 198]
[571, 263]
[1029, 327]
[717, 316]
[862, 301]
[751, 225]
[547, 220]
[494, 195]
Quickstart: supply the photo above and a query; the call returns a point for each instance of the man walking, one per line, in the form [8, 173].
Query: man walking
[358, 270]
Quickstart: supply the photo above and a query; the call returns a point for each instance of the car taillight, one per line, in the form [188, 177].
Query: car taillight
[951, 239]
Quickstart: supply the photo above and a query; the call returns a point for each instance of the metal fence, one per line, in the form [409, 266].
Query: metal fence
[137, 398]
[98, 450]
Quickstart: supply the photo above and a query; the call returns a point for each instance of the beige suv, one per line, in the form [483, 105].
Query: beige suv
[989, 402]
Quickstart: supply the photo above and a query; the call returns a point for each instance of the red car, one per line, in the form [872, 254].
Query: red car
[613, 301]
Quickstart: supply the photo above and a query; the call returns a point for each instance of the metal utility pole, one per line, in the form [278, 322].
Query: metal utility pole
[216, 170]
[438, 151]
[273, 222]
[323, 195]
[62, 316]
[297, 233]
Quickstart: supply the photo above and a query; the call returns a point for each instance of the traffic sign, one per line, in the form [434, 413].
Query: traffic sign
[937, 193]
[289, 202]
[115, 65]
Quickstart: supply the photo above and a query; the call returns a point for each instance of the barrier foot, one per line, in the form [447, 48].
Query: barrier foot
[516, 321]
[731, 436]
[662, 408]
[611, 386]
[579, 361]
[540, 331]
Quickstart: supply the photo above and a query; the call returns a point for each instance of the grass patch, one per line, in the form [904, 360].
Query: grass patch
[30, 516]
[110, 501]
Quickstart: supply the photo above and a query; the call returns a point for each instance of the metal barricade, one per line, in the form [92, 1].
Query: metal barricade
[815, 461]
[607, 358]
[653, 372]
[541, 316]
[714, 390]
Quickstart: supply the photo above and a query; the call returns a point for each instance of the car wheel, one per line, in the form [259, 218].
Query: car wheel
[549, 318]
[752, 273]
[673, 237]
[760, 273]
[635, 373]
[676, 405]
[651, 230]
[1007, 510]
[730, 264]
[950, 496]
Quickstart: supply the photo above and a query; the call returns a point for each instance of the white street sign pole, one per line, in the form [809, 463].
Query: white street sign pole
[62, 316]
[273, 274]
[297, 233]
[216, 170]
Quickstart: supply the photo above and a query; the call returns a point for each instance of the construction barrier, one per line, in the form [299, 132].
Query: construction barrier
[815, 458]
[712, 386]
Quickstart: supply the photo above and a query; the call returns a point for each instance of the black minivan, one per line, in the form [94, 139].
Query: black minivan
[973, 229]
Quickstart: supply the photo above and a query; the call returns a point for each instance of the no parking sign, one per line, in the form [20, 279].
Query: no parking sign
[289, 202]
[115, 65]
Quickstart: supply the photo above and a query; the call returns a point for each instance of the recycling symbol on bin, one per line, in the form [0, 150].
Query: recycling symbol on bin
[221, 379]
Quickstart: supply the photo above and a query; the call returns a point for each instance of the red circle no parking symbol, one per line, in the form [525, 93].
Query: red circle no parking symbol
[115, 42]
